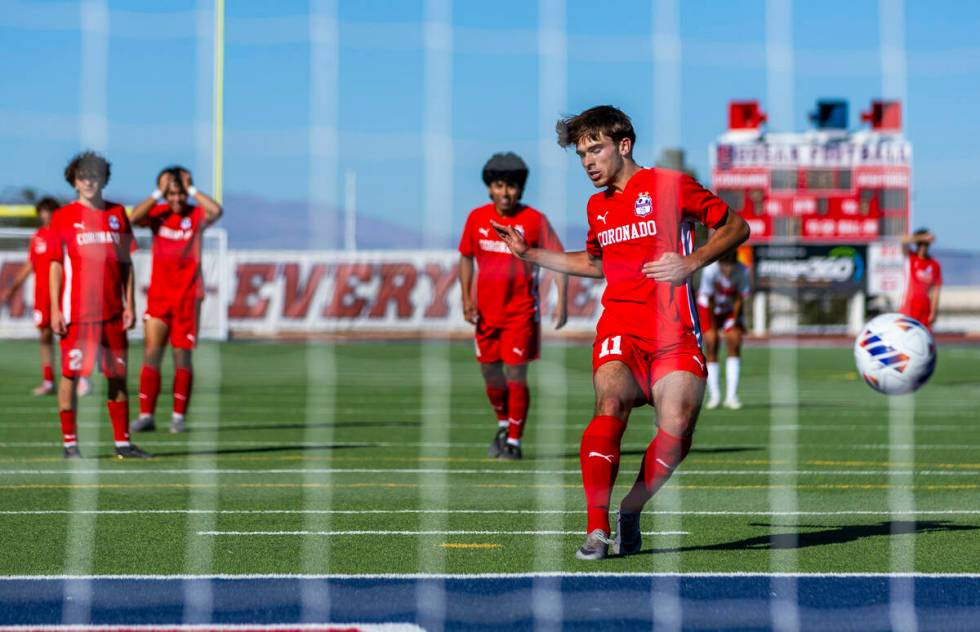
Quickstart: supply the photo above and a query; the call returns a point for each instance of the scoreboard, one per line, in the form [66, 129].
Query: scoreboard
[825, 185]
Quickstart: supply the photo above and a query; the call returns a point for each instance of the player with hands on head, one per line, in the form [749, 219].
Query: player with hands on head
[722, 295]
[176, 288]
[925, 278]
[646, 348]
[504, 308]
[91, 283]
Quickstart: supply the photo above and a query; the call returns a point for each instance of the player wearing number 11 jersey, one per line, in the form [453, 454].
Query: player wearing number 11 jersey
[646, 348]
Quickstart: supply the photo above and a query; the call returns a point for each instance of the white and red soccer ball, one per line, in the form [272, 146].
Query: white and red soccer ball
[895, 354]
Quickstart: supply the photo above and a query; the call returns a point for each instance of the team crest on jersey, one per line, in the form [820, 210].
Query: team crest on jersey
[185, 223]
[644, 205]
[113, 222]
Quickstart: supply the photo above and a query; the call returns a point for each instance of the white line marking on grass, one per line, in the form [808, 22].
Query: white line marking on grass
[412, 533]
[359, 512]
[518, 472]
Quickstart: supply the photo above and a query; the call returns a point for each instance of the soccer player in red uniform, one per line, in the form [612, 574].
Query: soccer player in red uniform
[646, 348]
[37, 263]
[176, 288]
[91, 278]
[506, 310]
[721, 298]
[925, 278]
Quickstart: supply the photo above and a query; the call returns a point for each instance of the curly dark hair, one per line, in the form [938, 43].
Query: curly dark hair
[90, 163]
[47, 203]
[175, 171]
[602, 120]
[508, 167]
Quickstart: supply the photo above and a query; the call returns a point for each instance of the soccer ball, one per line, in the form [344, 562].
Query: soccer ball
[895, 354]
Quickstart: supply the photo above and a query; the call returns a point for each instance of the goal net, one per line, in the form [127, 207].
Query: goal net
[16, 315]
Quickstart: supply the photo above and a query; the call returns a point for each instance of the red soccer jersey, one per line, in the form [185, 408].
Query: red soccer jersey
[94, 248]
[40, 257]
[176, 252]
[923, 275]
[506, 287]
[652, 216]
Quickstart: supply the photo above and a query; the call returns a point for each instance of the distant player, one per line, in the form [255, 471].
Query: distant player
[37, 263]
[721, 299]
[176, 288]
[646, 348]
[925, 278]
[91, 277]
[506, 310]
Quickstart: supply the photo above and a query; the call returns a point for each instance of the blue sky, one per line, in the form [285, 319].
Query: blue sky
[157, 92]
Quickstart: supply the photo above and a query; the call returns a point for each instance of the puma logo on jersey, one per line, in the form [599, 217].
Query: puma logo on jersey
[518, 351]
[484, 231]
[78, 225]
[607, 457]
[602, 217]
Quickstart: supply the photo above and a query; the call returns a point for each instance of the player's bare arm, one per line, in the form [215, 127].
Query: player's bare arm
[561, 309]
[212, 210]
[676, 269]
[54, 283]
[736, 312]
[470, 312]
[933, 304]
[140, 215]
[129, 312]
[579, 263]
[22, 274]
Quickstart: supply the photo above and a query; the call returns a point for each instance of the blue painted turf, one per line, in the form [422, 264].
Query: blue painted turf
[507, 603]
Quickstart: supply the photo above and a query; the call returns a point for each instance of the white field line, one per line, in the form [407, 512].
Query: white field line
[363, 512]
[478, 576]
[410, 533]
[300, 445]
[258, 472]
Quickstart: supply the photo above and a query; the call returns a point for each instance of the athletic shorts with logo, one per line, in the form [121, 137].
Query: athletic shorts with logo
[718, 320]
[648, 361]
[181, 316]
[516, 343]
[84, 344]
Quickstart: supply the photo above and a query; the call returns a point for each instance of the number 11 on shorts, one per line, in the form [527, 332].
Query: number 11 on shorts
[611, 346]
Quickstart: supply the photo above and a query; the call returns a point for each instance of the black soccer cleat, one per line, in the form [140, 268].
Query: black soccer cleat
[628, 537]
[131, 452]
[497, 445]
[511, 453]
[72, 452]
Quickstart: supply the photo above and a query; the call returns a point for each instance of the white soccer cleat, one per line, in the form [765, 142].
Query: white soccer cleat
[46, 388]
[732, 403]
[596, 546]
[713, 402]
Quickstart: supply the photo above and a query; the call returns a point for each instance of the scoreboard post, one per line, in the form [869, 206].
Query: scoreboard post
[819, 202]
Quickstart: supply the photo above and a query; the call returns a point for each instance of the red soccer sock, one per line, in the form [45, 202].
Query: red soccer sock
[662, 457]
[119, 416]
[498, 399]
[518, 401]
[599, 456]
[47, 373]
[149, 389]
[183, 382]
[69, 428]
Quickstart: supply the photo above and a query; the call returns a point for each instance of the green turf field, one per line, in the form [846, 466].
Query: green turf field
[816, 474]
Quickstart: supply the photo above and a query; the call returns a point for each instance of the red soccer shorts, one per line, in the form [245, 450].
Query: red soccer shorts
[181, 316]
[646, 361]
[514, 344]
[84, 343]
[42, 316]
[918, 310]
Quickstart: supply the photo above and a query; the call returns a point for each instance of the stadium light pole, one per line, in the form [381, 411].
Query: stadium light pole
[217, 161]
